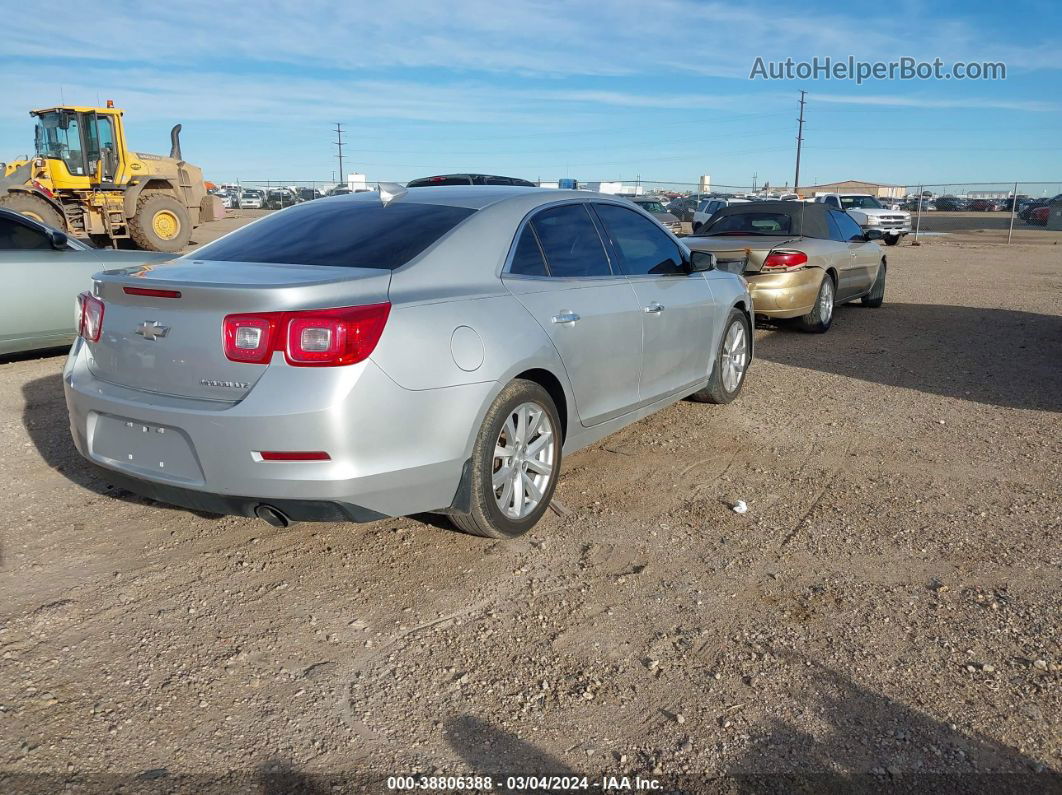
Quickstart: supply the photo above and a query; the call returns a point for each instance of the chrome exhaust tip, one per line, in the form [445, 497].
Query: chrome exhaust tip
[272, 516]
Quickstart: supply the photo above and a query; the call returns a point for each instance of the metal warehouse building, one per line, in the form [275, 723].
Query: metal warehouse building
[856, 186]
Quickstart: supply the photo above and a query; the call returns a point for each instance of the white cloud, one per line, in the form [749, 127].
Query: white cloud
[674, 40]
[973, 103]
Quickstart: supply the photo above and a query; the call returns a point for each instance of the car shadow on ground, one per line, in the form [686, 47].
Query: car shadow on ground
[866, 742]
[45, 418]
[1001, 357]
[491, 751]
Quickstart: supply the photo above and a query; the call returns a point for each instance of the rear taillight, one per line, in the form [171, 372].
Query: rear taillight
[785, 260]
[311, 338]
[89, 317]
[249, 338]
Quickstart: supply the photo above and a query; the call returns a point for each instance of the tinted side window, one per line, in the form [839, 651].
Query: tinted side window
[643, 246]
[339, 232]
[570, 242]
[527, 259]
[849, 229]
[835, 230]
[14, 235]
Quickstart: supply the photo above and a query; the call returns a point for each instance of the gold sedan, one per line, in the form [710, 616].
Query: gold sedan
[800, 259]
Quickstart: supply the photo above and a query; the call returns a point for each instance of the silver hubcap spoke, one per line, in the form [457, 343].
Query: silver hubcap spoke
[524, 458]
[735, 356]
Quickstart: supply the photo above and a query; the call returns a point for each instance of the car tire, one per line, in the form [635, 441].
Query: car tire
[501, 430]
[33, 207]
[820, 318]
[876, 296]
[892, 240]
[161, 223]
[731, 361]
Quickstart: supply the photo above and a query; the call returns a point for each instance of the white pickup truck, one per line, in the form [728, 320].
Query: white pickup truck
[869, 213]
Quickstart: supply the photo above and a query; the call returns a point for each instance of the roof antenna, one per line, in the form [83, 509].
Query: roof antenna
[389, 191]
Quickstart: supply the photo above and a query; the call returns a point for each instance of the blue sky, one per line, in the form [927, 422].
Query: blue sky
[612, 89]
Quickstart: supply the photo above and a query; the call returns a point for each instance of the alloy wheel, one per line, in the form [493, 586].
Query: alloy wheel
[826, 300]
[735, 357]
[524, 458]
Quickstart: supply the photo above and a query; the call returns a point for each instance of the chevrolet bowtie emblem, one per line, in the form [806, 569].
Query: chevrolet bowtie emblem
[151, 330]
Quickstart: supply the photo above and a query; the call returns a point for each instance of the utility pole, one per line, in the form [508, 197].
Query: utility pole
[755, 174]
[339, 146]
[800, 140]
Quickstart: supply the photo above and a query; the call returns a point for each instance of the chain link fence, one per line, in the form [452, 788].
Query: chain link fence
[988, 212]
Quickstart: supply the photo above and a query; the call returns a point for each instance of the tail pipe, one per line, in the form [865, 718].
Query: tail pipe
[175, 142]
[271, 515]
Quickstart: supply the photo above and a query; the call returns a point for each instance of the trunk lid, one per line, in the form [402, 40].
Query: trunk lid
[173, 346]
[739, 254]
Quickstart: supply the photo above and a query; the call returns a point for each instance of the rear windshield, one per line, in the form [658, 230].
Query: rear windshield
[343, 233]
[753, 223]
[439, 182]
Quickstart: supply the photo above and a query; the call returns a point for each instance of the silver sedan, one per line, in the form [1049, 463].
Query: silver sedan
[43, 270]
[380, 354]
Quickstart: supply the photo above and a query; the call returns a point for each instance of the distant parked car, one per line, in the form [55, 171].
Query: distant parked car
[467, 179]
[308, 194]
[1038, 217]
[707, 208]
[656, 208]
[684, 207]
[230, 200]
[1031, 206]
[440, 350]
[252, 199]
[983, 205]
[799, 258]
[43, 270]
[949, 203]
[279, 198]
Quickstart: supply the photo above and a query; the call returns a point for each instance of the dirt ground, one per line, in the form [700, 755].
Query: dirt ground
[885, 617]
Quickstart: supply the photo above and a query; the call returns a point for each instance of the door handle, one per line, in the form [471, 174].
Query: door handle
[566, 317]
[653, 308]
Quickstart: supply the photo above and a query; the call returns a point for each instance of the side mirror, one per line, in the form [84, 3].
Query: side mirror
[701, 261]
[58, 239]
[873, 234]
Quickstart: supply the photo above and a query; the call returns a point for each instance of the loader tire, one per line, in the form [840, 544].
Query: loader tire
[34, 207]
[161, 223]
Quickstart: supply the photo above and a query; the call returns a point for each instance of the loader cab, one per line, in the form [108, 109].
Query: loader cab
[84, 146]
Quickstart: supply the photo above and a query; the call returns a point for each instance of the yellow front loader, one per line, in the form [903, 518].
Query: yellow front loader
[84, 180]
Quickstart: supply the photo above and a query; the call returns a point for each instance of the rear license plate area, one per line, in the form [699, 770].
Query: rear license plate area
[161, 452]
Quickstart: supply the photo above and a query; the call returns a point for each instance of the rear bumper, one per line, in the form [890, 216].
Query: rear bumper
[231, 505]
[392, 451]
[785, 295]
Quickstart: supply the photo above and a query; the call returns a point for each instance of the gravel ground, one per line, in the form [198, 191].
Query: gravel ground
[884, 617]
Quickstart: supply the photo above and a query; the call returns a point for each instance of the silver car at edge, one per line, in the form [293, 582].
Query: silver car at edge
[407, 351]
